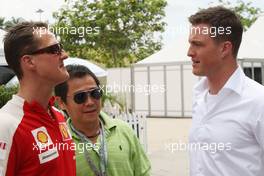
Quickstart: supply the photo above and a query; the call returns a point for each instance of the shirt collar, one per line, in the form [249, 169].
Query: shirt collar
[34, 105]
[234, 83]
[18, 100]
[74, 135]
[108, 122]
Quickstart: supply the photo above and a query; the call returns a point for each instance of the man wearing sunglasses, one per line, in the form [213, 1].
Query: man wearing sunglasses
[104, 146]
[31, 129]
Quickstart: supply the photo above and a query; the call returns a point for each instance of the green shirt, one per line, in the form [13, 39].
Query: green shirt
[125, 155]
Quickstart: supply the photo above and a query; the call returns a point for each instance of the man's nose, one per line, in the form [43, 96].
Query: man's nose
[190, 52]
[89, 101]
[64, 55]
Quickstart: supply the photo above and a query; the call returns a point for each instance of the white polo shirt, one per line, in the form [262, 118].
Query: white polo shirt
[227, 134]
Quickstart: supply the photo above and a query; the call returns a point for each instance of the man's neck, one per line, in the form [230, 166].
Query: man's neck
[89, 129]
[217, 81]
[35, 92]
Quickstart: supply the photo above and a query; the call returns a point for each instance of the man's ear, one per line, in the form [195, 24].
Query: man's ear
[28, 62]
[227, 49]
[61, 103]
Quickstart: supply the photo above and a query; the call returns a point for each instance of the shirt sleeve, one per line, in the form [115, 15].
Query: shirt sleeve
[7, 131]
[139, 158]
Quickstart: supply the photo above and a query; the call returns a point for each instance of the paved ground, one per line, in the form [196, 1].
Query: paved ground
[162, 135]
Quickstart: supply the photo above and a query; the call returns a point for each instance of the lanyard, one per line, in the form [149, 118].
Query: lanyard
[102, 151]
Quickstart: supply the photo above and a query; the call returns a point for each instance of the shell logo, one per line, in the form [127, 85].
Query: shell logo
[42, 137]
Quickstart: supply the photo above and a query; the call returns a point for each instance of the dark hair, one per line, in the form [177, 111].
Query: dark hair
[75, 71]
[20, 40]
[221, 17]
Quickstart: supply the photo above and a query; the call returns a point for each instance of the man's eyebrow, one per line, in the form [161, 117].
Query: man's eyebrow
[85, 90]
[195, 42]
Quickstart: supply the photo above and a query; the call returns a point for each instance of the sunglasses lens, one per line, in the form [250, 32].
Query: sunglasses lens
[55, 49]
[80, 98]
[96, 94]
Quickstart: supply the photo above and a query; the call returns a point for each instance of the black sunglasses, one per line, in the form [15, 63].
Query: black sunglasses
[81, 97]
[52, 49]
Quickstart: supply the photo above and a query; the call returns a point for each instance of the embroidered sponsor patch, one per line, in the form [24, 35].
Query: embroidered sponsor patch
[3, 150]
[66, 135]
[42, 137]
[48, 155]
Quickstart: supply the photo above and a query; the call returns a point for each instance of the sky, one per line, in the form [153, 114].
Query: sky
[177, 12]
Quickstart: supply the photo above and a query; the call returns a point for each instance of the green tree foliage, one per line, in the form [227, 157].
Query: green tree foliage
[6, 94]
[13, 22]
[118, 32]
[245, 10]
[5, 24]
[2, 22]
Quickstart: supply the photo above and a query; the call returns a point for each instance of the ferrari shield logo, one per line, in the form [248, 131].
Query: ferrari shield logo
[66, 135]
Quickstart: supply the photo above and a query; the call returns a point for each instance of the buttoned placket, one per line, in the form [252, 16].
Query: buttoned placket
[206, 114]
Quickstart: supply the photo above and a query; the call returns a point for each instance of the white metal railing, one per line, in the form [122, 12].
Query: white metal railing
[138, 122]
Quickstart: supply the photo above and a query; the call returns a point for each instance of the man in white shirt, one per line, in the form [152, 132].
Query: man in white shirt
[227, 134]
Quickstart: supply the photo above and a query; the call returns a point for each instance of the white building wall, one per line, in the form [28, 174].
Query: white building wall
[122, 77]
